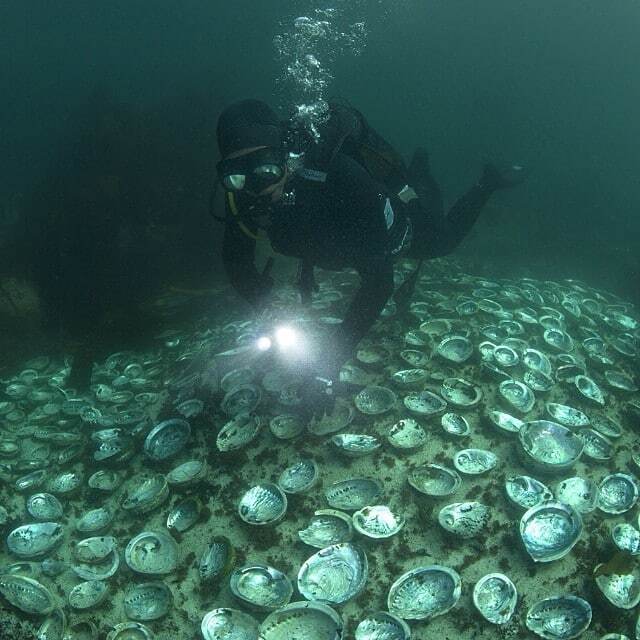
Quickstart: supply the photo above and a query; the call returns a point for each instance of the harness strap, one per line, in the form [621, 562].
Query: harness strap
[234, 209]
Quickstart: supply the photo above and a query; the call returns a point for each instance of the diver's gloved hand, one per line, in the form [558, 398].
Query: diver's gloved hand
[318, 397]
[494, 178]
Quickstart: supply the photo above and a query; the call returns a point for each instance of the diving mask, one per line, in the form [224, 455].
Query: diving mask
[252, 172]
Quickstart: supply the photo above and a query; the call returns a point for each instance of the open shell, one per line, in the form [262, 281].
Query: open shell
[622, 590]
[550, 530]
[327, 527]
[589, 389]
[308, 620]
[580, 493]
[334, 574]
[424, 403]
[566, 415]
[27, 594]
[518, 395]
[455, 349]
[464, 519]
[527, 492]
[434, 480]
[228, 624]
[263, 504]
[460, 392]
[353, 494]
[474, 461]
[299, 477]
[167, 439]
[495, 597]
[454, 424]
[618, 493]
[238, 432]
[375, 400]
[261, 587]
[377, 522]
[559, 618]
[549, 446]
[147, 601]
[382, 626]
[407, 434]
[152, 552]
[425, 592]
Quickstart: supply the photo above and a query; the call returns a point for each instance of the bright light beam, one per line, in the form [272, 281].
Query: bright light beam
[263, 343]
[286, 337]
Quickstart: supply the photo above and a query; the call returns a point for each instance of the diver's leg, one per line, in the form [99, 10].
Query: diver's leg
[424, 184]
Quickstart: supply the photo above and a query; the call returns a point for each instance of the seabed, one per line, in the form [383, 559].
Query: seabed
[192, 343]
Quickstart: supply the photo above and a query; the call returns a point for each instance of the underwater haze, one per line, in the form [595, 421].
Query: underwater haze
[176, 463]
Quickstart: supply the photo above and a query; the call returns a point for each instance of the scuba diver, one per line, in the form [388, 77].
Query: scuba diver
[346, 200]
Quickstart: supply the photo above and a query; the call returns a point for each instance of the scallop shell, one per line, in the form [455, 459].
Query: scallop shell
[147, 601]
[455, 349]
[434, 480]
[308, 620]
[567, 416]
[580, 493]
[27, 594]
[299, 477]
[550, 446]
[167, 439]
[618, 493]
[261, 587]
[425, 592]
[527, 492]
[327, 527]
[407, 434]
[377, 522]
[263, 504]
[559, 618]
[424, 403]
[353, 494]
[518, 395]
[375, 400]
[382, 626]
[228, 624]
[474, 461]
[550, 530]
[152, 552]
[460, 392]
[334, 574]
[495, 597]
[464, 519]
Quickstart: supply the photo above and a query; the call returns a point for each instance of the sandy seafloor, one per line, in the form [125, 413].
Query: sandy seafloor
[421, 542]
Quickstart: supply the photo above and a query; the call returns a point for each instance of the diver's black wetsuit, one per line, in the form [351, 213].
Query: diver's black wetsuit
[346, 222]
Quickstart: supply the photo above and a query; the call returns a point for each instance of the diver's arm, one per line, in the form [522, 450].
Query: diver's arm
[238, 256]
[376, 286]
